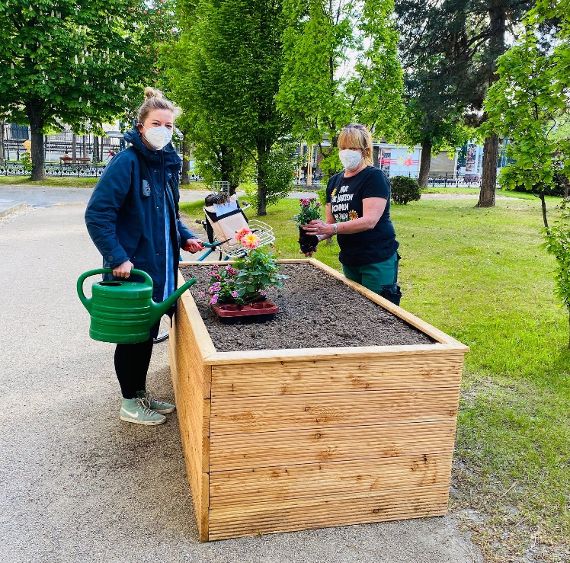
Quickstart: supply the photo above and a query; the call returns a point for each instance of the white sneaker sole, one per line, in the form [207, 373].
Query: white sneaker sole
[165, 411]
[144, 422]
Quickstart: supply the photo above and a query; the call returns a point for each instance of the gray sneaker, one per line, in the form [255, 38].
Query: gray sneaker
[138, 412]
[161, 407]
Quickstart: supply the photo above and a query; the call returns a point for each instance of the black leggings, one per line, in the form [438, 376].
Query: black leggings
[131, 366]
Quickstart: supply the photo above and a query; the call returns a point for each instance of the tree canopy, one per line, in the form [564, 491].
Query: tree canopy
[529, 103]
[74, 61]
[225, 73]
[340, 65]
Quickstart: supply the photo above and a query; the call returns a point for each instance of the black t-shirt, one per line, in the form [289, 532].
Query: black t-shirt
[345, 196]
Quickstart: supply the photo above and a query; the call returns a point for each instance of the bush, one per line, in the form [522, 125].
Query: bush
[405, 189]
[26, 161]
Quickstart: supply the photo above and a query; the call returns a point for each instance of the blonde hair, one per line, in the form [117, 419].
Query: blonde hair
[154, 99]
[355, 136]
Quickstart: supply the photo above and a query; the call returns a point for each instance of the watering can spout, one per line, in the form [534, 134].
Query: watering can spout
[159, 309]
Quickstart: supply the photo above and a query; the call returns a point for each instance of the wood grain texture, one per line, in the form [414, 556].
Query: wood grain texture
[383, 373]
[191, 382]
[323, 410]
[256, 519]
[298, 446]
[328, 480]
[278, 440]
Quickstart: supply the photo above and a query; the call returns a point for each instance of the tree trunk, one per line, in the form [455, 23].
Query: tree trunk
[262, 159]
[95, 156]
[543, 208]
[497, 19]
[185, 180]
[425, 163]
[34, 114]
[2, 151]
[489, 177]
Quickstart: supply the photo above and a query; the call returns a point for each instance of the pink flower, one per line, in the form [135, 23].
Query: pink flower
[250, 241]
[235, 294]
[231, 271]
[305, 202]
[214, 299]
[241, 233]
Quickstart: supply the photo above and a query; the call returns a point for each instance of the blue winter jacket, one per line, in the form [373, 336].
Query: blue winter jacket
[125, 216]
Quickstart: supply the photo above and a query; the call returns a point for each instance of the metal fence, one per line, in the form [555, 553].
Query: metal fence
[54, 170]
[439, 182]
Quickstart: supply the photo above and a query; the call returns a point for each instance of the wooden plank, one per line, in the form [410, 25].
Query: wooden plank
[406, 316]
[319, 513]
[322, 410]
[299, 446]
[204, 516]
[328, 480]
[200, 332]
[192, 389]
[307, 354]
[197, 342]
[435, 370]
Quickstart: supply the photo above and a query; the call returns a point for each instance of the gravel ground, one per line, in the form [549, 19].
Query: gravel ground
[77, 484]
[315, 310]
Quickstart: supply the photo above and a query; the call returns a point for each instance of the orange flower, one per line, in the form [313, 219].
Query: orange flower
[250, 240]
[352, 215]
[241, 233]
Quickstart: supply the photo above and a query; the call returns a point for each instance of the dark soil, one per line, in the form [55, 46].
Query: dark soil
[316, 310]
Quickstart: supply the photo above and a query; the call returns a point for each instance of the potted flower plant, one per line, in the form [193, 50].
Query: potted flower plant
[310, 210]
[240, 289]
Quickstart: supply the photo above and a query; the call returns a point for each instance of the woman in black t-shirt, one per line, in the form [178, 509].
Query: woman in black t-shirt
[358, 212]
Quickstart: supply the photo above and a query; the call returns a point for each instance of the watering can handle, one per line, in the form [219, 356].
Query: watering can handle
[87, 302]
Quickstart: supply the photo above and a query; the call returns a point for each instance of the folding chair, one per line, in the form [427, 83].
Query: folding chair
[225, 218]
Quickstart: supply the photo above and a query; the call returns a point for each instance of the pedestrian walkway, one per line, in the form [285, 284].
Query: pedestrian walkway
[77, 484]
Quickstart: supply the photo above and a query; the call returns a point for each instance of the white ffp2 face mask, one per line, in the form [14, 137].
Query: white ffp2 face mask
[350, 159]
[158, 137]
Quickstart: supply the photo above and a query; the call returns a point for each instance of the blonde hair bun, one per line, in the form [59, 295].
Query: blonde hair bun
[152, 93]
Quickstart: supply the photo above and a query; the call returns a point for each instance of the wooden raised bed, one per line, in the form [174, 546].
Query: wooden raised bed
[281, 440]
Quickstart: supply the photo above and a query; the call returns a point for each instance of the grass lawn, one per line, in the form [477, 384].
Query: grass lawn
[62, 182]
[482, 276]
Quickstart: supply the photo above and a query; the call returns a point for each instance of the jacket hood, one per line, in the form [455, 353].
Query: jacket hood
[168, 153]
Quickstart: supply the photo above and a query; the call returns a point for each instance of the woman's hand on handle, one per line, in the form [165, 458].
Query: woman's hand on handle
[193, 245]
[124, 270]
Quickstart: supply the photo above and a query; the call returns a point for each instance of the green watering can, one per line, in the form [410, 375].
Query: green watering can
[123, 312]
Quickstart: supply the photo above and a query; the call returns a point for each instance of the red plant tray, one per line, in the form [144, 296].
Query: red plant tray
[259, 309]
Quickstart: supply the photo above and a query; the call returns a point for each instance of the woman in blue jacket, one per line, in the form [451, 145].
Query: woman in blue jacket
[133, 219]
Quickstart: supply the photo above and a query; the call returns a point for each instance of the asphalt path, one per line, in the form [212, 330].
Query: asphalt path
[76, 483]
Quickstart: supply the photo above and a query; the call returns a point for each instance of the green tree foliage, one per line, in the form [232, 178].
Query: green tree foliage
[433, 119]
[224, 72]
[461, 40]
[217, 146]
[529, 101]
[73, 61]
[530, 104]
[558, 244]
[340, 65]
